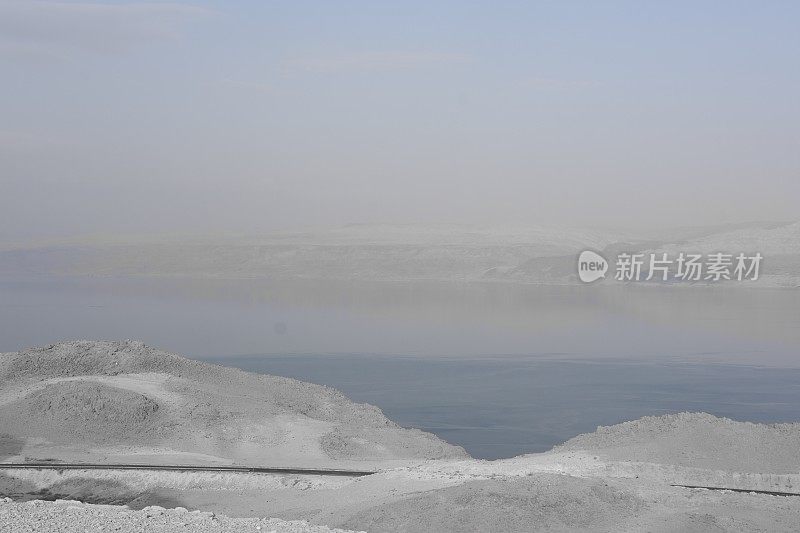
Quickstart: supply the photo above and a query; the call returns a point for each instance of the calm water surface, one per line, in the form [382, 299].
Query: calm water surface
[503, 408]
[498, 369]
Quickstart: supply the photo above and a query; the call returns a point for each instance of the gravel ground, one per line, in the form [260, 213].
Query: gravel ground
[65, 516]
[565, 503]
[539, 503]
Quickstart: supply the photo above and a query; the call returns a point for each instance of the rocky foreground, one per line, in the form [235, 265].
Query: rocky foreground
[64, 516]
[540, 502]
[124, 402]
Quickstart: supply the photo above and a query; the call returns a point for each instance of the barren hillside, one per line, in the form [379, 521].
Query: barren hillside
[117, 399]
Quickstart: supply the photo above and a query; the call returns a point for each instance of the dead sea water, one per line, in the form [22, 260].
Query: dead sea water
[498, 369]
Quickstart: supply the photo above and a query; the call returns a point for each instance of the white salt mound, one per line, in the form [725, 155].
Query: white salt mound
[88, 394]
[697, 440]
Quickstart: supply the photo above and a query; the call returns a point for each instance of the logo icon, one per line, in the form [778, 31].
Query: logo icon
[591, 266]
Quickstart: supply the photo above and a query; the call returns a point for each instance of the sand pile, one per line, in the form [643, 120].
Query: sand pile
[697, 440]
[125, 394]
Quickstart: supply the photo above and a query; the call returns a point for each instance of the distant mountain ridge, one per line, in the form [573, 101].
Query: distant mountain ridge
[403, 253]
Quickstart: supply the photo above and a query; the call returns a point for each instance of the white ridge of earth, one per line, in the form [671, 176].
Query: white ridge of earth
[125, 402]
[102, 401]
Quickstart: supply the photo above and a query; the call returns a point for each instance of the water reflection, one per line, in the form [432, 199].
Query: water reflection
[221, 317]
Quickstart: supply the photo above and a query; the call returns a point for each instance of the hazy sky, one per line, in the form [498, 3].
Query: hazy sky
[251, 116]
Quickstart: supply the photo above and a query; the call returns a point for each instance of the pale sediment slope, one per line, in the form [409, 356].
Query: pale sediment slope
[95, 400]
[619, 478]
[697, 440]
[546, 502]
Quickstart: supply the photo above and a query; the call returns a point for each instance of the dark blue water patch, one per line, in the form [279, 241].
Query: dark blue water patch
[498, 408]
